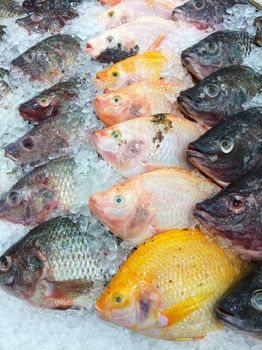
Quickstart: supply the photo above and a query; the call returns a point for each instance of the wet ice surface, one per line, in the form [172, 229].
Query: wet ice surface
[26, 327]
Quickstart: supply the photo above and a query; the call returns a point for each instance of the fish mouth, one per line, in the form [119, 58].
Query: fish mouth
[188, 62]
[17, 62]
[179, 15]
[27, 113]
[184, 103]
[204, 217]
[229, 319]
[9, 154]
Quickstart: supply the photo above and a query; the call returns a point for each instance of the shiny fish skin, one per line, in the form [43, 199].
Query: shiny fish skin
[169, 286]
[151, 203]
[43, 5]
[43, 193]
[147, 143]
[221, 94]
[218, 50]
[56, 265]
[230, 149]
[49, 59]
[9, 8]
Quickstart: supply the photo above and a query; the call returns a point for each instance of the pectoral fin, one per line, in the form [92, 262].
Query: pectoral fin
[66, 289]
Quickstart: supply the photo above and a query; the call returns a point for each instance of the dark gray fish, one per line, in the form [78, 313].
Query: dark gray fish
[230, 149]
[235, 214]
[241, 306]
[218, 50]
[49, 59]
[205, 13]
[221, 94]
[258, 24]
[40, 5]
[57, 265]
[9, 8]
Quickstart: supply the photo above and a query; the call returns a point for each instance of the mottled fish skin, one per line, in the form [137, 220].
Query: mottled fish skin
[241, 306]
[230, 149]
[36, 5]
[44, 193]
[235, 213]
[51, 102]
[218, 50]
[205, 13]
[221, 94]
[56, 265]
[258, 24]
[9, 8]
[49, 59]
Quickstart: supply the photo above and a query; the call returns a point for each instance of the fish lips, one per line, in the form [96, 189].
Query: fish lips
[180, 15]
[203, 216]
[18, 62]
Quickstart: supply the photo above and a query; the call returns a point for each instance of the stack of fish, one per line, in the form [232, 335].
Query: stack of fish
[157, 130]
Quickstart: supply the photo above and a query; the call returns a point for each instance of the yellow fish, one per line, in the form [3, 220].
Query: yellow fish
[169, 286]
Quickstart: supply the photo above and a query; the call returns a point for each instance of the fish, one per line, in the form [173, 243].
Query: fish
[44, 5]
[130, 38]
[63, 135]
[52, 102]
[204, 14]
[256, 3]
[9, 9]
[218, 50]
[241, 306]
[231, 149]
[42, 194]
[235, 214]
[145, 205]
[258, 24]
[138, 100]
[49, 59]
[147, 66]
[220, 95]
[51, 21]
[147, 143]
[57, 265]
[168, 288]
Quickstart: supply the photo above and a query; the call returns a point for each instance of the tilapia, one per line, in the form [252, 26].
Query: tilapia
[218, 50]
[235, 214]
[230, 149]
[49, 59]
[10, 8]
[52, 138]
[221, 94]
[57, 265]
[44, 5]
[151, 203]
[241, 306]
[147, 143]
[130, 39]
[258, 24]
[138, 100]
[51, 102]
[169, 286]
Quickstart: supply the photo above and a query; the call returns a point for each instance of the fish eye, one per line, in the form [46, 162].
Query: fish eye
[118, 299]
[43, 101]
[116, 99]
[14, 198]
[212, 90]
[119, 200]
[5, 263]
[115, 74]
[28, 143]
[110, 39]
[236, 204]
[212, 47]
[198, 4]
[116, 134]
[227, 145]
[111, 14]
[36, 17]
[29, 57]
[256, 299]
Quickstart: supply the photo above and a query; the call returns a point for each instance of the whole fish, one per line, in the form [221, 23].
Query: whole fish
[151, 203]
[241, 307]
[130, 39]
[52, 138]
[235, 213]
[169, 286]
[205, 13]
[230, 149]
[4, 87]
[147, 143]
[258, 24]
[43, 5]
[51, 102]
[147, 66]
[57, 265]
[138, 100]
[10, 8]
[218, 50]
[44, 193]
[51, 21]
[49, 59]
[221, 94]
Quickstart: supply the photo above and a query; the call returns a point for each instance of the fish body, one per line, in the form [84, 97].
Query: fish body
[147, 66]
[235, 214]
[45, 5]
[151, 203]
[169, 286]
[241, 306]
[44, 193]
[219, 50]
[258, 24]
[51, 102]
[9, 8]
[147, 143]
[130, 39]
[56, 265]
[49, 59]
[231, 149]
[221, 94]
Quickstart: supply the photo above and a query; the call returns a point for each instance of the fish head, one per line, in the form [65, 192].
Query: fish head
[241, 306]
[116, 16]
[112, 78]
